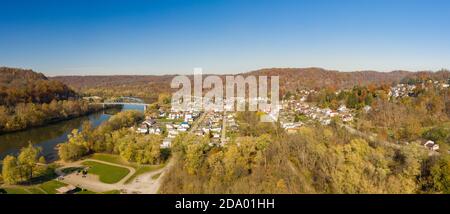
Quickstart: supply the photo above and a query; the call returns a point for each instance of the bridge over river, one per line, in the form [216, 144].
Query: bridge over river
[121, 103]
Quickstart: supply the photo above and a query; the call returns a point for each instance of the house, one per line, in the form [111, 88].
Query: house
[149, 122]
[206, 130]
[347, 118]
[172, 133]
[431, 145]
[367, 108]
[162, 114]
[199, 132]
[185, 125]
[182, 129]
[334, 114]
[167, 142]
[143, 129]
[342, 108]
[325, 121]
[169, 126]
[66, 189]
[154, 130]
[326, 111]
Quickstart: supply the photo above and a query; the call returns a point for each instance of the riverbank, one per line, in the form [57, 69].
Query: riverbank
[48, 136]
[54, 120]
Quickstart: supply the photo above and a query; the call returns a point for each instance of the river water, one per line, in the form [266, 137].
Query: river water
[47, 137]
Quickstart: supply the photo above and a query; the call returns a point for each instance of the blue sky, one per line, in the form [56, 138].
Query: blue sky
[230, 36]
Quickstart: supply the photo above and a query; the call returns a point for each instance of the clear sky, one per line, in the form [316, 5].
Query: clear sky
[93, 37]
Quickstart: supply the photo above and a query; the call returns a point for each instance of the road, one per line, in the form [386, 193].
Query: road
[224, 128]
[368, 136]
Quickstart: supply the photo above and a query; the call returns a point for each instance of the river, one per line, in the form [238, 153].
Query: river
[47, 137]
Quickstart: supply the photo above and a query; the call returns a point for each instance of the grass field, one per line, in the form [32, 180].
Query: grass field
[112, 192]
[112, 159]
[156, 176]
[140, 169]
[144, 169]
[16, 190]
[107, 173]
[50, 186]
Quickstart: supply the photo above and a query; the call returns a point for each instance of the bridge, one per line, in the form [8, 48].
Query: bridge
[121, 103]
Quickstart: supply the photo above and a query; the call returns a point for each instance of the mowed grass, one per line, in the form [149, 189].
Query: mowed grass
[106, 173]
[156, 176]
[50, 186]
[16, 190]
[140, 169]
[112, 159]
[112, 192]
[89, 192]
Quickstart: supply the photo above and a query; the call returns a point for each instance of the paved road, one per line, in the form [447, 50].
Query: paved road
[224, 128]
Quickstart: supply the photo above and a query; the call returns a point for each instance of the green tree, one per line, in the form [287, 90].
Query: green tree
[28, 157]
[440, 173]
[10, 170]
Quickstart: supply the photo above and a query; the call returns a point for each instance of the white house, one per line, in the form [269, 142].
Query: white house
[143, 129]
[166, 143]
[431, 145]
[342, 108]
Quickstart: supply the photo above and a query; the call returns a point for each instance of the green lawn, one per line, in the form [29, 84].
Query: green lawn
[144, 169]
[156, 176]
[112, 159]
[16, 190]
[87, 192]
[36, 190]
[112, 192]
[140, 169]
[107, 173]
[50, 186]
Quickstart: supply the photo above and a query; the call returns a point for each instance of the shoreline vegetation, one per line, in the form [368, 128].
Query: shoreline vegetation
[84, 111]
[29, 99]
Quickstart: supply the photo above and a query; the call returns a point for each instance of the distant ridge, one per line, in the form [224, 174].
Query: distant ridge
[290, 78]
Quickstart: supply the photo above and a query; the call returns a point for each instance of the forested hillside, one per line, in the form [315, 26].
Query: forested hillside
[318, 159]
[26, 86]
[29, 99]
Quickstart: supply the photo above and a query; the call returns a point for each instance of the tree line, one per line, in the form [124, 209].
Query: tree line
[29, 99]
[114, 136]
[26, 115]
[25, 166]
